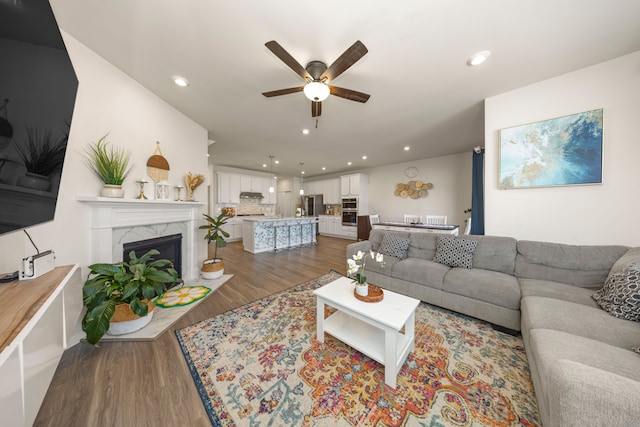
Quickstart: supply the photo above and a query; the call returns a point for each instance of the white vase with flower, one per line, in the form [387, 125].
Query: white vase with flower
[355, 270]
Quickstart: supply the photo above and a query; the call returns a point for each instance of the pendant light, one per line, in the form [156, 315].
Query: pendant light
[271, 189]
[301, 172]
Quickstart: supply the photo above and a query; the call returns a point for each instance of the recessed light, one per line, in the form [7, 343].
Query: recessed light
[407, 148]
[305, 131]
[364, 157]
[478, 58]
[276, 161]
[302, 172]
[324, 169]
[180, 81]
[264, 165]
[349, 163]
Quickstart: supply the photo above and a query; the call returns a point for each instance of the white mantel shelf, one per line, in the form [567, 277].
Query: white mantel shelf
[115, 221]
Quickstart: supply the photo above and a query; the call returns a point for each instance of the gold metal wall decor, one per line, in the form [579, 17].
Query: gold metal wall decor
[413, 189]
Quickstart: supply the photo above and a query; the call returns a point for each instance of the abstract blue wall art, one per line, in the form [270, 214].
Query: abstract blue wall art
[562, 151]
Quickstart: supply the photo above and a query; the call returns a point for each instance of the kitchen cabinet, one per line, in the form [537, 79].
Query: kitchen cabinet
[354, 184]
[228, 187]
[331, 225]
[234, 227]
[269, 198]
[331, 191]
[252, 183]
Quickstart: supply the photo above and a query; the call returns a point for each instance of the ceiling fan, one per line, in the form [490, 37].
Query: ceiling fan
[318, 75]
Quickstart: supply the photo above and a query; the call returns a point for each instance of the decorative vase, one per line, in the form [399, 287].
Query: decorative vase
[125, 321]
[362, 289]
[212, 269]
[33, 180]
[114, 191]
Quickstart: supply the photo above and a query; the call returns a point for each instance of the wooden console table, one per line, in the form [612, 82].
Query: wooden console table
[37, 319]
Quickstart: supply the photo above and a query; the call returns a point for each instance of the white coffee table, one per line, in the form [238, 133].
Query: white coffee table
[371, 328]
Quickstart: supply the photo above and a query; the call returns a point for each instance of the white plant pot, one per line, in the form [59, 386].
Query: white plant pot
[114, 191]
[128, 326]
[212, 269]
[362, 290]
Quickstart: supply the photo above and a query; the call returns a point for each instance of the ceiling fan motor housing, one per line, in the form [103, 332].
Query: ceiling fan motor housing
[315, 69]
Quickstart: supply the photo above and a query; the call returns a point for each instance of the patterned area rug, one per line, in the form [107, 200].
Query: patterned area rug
[260, 365]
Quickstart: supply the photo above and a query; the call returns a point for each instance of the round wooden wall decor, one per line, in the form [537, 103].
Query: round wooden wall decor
[413, 189]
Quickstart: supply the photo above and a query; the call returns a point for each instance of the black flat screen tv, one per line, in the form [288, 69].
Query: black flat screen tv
[37, 94]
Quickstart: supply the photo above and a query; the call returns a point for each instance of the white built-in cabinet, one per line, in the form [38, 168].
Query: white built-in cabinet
[329, 188]
[331, 225]
[228, 188]
[354, 184]
[230, 185]
[36, 329]
[233, 226]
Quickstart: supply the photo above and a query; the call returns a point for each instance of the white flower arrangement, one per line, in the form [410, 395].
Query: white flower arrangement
[357, 263]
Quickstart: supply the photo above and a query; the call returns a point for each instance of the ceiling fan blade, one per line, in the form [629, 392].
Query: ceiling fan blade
[346, 60]
[283, 91]
[316, 109]
[349, 94]
[285, 57]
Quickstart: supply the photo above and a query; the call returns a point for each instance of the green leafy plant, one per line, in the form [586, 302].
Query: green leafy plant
[110, 164]
[214, 231]
[123, 283]
[42, 154]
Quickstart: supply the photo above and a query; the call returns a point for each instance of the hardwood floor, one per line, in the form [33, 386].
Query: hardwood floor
[148, 383]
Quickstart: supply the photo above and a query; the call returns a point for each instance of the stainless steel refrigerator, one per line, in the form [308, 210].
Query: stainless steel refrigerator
[313, 205]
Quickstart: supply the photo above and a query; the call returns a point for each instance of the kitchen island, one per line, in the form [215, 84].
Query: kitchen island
[274, 234]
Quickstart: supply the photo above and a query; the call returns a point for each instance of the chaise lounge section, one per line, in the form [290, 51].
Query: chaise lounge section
[582, 360]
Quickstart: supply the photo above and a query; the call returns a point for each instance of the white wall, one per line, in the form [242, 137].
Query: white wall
[594, 214]
[108, 101]
[451, 193]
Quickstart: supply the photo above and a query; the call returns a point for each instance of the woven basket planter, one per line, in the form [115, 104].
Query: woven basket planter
[212, 269]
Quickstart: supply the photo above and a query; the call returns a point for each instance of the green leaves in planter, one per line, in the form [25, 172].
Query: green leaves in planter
[123, 282]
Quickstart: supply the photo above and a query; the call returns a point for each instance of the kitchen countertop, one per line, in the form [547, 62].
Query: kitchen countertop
[290, 218]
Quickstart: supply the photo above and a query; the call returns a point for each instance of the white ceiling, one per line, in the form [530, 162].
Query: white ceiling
[423, 94]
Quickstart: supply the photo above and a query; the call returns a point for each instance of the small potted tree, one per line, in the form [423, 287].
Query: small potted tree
[110, 164]
[119, 296]
[213, 268]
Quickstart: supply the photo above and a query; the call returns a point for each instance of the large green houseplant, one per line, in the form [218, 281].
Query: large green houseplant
[110, 164]
[213, 268]
[134, 283]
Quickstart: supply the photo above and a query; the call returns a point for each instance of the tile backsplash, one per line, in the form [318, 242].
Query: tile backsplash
[250, 207]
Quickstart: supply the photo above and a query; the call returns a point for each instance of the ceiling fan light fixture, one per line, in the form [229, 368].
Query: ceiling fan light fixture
[316, 91]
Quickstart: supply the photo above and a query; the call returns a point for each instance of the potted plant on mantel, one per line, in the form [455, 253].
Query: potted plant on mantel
[213, 268]
[119, 296]
[110, 164]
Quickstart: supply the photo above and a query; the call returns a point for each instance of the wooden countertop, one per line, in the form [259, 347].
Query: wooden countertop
[21, 300]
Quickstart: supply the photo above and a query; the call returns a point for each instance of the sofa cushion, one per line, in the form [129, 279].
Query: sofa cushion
[394, 245]
[423, 245]
[377, 234]
[494, 253]
[583, 266]
[562, 291]
[620, 296]
[484, 285]
[455, 252]
[420, 271]
[631, 256]
[578, 319]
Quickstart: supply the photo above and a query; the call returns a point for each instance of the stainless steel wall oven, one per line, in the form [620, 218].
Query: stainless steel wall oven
[349, 218]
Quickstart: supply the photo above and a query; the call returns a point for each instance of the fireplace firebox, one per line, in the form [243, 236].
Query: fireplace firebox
[170, 247]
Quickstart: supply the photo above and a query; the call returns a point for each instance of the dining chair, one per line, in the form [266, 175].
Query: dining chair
[374, 219]
[436, 219]
[411, 219]
[467, 229]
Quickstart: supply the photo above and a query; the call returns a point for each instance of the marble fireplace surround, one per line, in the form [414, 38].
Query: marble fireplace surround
[115, 222]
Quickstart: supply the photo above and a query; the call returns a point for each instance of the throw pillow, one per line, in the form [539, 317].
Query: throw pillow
[455, 252]
[620, 295]
[394, 245]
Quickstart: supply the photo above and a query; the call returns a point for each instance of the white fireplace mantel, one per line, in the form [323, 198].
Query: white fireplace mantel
[118, 221]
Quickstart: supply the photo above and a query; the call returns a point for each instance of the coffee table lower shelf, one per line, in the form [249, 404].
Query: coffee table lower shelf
[369, 339]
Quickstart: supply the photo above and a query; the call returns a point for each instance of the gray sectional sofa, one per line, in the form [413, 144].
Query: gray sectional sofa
[583, 365]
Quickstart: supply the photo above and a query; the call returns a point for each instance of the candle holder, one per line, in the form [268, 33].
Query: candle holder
[178, 190]
[142, 182]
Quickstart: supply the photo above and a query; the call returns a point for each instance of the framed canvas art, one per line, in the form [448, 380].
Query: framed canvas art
[562, 151]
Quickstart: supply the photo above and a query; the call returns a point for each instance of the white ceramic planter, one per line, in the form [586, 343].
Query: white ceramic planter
[128, 326]
[212, 269]
[362, 290]
[114, 191]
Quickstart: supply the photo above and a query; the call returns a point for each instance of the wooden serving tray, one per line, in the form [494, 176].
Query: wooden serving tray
[376, 294]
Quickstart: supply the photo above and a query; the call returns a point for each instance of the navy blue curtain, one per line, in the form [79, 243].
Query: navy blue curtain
[477, 193]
